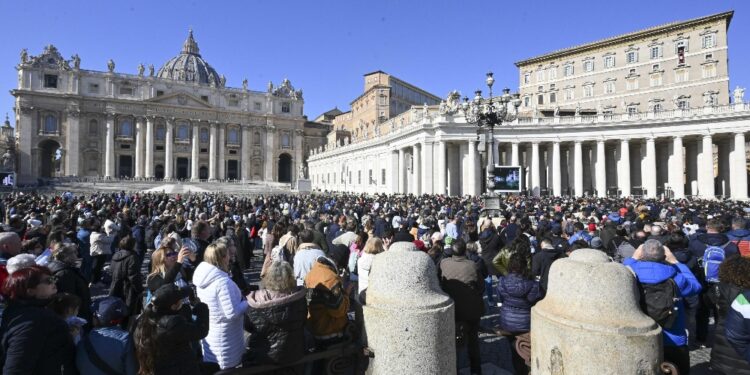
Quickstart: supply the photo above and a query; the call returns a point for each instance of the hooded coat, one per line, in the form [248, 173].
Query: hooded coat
[225, 343]
[71, 280]
[276, 323]
[127, 282]
[518, 295]
[491, 243]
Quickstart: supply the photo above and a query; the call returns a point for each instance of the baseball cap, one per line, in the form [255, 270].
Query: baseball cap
[110, 310]
[167, 295]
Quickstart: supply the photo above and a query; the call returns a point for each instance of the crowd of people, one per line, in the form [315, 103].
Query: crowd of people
[196, 311]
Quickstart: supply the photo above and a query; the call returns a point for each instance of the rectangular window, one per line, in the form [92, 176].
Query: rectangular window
[609, 87]
[50, 81]
[526, 77]
[632, 84]
[382, 176]
[609, 61]
[159, 148]
[540, 88]
[569, 94]
[632, 110]
[552, 73]
[709, 41]
[552, 97]
[568, 70]
[709, 56]
[588, 91]
[526, 101]
[631, 57]
[655, 52]
[126, 90]
[204, 151]
[540, 99]
[125, 146]
[683, 104]
[93, 88]
[709, 71]
[285, 107]
[657, 107]
[681, 75]
[655, 67]
[204, 98]
[159, 93]
[540, 76]
[257, 106]
[588, 65]
[655, 80]
[234, 103]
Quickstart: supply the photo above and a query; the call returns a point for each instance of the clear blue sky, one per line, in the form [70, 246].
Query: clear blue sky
[324, 47]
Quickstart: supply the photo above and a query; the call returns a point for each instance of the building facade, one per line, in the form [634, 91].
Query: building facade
[644, 114]
[678, 65]
[178, 122]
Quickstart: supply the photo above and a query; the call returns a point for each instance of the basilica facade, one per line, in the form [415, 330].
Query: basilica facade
[177, 122]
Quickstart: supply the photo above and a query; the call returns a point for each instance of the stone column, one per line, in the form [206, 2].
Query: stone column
[472, 175]
[269, 152]
[442, 170]
[222, 165]
[738, 168]
[677, 168]
[648, 168]
[245, 152]
[691, 166]
[623, 168]
[722, 184]
[428, 178]
[556, 169]
[535, 175]
[24, 127]
[169, 151]
[72, 144]
[416, 170]
[401, 171]
[212, 153]
[609, 319]
[109, 150]
[195, 155]
[139, 147]
[706, 168]
[578, 168]
[514, 160]
[405, 305]
[394, 172]
[149, 162]
[601, 171]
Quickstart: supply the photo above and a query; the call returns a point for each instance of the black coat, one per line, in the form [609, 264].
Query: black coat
[276, 328]
[174, 334]
[491, 243]
[541, 262]
[34, 340]
[71, 280]
[723, 356]
[127, 282]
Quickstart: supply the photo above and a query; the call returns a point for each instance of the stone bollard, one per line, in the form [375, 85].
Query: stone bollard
[409, 321]
[590, 321]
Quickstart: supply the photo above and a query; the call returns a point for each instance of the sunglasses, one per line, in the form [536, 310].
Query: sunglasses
[49, 280]
[171, 254]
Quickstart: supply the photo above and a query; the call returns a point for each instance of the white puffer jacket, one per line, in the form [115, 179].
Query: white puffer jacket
[101, 243]
[224, 344]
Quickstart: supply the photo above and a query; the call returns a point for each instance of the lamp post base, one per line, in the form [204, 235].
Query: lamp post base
[491, 203]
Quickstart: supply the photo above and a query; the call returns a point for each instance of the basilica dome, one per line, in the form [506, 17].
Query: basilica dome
[189, 66]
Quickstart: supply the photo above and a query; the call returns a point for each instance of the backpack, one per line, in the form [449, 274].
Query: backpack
[712, 259]
[278, 253]
[659, 301]
[743, 245]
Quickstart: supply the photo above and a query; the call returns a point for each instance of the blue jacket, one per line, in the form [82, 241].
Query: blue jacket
[517, 295]
[738, 325]
[687, 284]
[114, 347]
[580, 235]
[738, 234]
[701, 241]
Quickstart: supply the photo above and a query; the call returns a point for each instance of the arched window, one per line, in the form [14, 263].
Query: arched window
[233, 137]
[256, 137]
[204, 135]
[285, 140]
[183, 132]
[126, 128]
[93, 127]
[161, 132]
[50, 124]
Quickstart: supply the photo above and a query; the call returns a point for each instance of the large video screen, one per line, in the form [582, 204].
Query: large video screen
[7, 179]
[507, 179]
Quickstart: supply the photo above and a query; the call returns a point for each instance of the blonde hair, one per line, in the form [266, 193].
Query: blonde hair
[374, 246]
[215, 254]
[280, 277]
[158, 265]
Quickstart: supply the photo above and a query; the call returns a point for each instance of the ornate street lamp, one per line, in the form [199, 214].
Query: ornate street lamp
[487, 113]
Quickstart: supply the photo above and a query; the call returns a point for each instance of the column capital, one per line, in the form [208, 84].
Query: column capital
[111, 116]
[706, 135]
[140, 119]
[677, 136]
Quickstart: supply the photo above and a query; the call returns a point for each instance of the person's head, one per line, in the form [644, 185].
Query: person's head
[10, 243]
[35, 282]
[714, 226]
[518, 263]
[166, 300]
[472, 248]
[280, 278]
[459, 247]
[351, 224]
[20, 261]
[162, 259]
[361, 239]
[735, 270]
[677, 241]
[127, 243]
[640, 235]
[653, 251]
[32, 246]
[65, 305]
[217, 254]
[339, 254]
[109, 311]
[739, 223]
[374, 246]
[306, 236]
[228, 241]
[67, 254]
[201, 230]
[578, 226]
[656, 230]
[387, 237]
